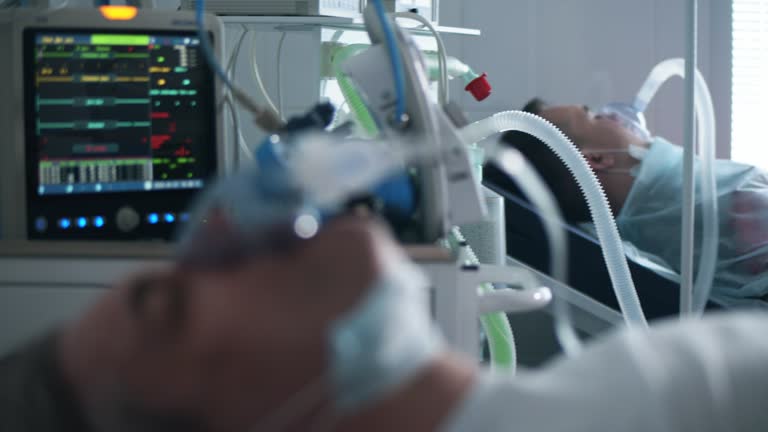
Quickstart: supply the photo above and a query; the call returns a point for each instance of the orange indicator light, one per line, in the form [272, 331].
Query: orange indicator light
[118, 12]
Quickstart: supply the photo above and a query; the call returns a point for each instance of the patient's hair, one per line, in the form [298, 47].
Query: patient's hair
[550, 167]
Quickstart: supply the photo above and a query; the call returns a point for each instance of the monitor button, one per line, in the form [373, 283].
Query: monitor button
[127, 219]
[41, 224]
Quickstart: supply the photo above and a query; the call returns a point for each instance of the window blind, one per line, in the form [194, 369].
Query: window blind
[749, 115]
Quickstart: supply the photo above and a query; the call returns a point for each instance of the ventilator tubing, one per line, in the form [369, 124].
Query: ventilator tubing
[607, 232]
[501, 339]
[454, 67]
[705, 114]
[356, 104]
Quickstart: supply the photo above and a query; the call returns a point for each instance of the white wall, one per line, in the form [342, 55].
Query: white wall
[590, 52]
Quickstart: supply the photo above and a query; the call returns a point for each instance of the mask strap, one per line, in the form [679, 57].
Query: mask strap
[595, 150]
[626, 171]
[635, 151]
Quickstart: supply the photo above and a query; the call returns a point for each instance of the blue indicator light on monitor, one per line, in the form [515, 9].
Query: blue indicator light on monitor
[41, 224]
[170, 218]
[82, 222]
[64, 223]
[98, 221]
[184, 217]
[152, 218]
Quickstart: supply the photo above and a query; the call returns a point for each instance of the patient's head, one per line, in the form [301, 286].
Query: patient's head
[224, 346]
[602, 140]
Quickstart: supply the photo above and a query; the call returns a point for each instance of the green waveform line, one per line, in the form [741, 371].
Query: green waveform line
[45, 102]
[88, 55]
[92, 101]
[58, 54]
[95, 56]
[169, 161]
[134, 124]
[172, 92]
[55, 125]
[131, 101]
[91, 125]
[131, 55]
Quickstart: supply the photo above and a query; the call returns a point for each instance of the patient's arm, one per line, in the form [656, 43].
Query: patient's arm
[695, 376]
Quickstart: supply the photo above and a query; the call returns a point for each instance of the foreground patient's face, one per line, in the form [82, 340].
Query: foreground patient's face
[587, 130]
[225, 341]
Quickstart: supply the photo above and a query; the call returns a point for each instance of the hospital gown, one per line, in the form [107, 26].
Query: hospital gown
[698, 377]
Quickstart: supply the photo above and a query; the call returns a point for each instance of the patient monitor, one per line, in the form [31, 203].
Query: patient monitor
[110, 120]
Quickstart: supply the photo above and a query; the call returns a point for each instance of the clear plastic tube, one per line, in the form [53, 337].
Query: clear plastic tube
[607, 232]
[534, 187]
[442, 54]
[501, 339]
[257, 76]
[265, 119]
[455, 68]
[705, 115]
[353, 98]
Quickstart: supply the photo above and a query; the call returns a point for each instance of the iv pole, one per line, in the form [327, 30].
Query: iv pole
[688, 218]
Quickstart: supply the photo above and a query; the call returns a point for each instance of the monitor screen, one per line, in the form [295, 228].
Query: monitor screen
[117, 112]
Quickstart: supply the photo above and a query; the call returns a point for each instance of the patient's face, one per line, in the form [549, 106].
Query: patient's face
[229, 344]
[589, 131]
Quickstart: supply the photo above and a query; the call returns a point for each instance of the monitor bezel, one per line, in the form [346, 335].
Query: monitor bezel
[13, 197]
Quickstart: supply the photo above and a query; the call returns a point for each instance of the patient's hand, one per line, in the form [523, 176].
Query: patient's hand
[222, 346]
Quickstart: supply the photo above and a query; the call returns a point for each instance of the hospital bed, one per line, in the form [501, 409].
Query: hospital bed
[526, 241]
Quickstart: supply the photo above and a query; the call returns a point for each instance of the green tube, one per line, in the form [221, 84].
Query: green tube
[501, 340]
[361, 114]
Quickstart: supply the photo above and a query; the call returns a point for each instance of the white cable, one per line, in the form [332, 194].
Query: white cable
[257, 76]
[241, 145]
[442, 56]
[280, 72]
[234, 113]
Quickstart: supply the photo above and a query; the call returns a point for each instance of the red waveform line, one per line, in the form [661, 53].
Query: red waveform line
[159, 115]
[172, 127]
[159, 140]
[182, 151]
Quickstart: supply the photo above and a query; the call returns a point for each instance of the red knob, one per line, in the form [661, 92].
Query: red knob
[479, 87]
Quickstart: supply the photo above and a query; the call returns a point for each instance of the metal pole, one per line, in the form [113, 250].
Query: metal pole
[689, 191]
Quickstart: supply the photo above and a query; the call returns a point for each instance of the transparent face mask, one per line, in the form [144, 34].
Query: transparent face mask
[629, 117]
[637, 152]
